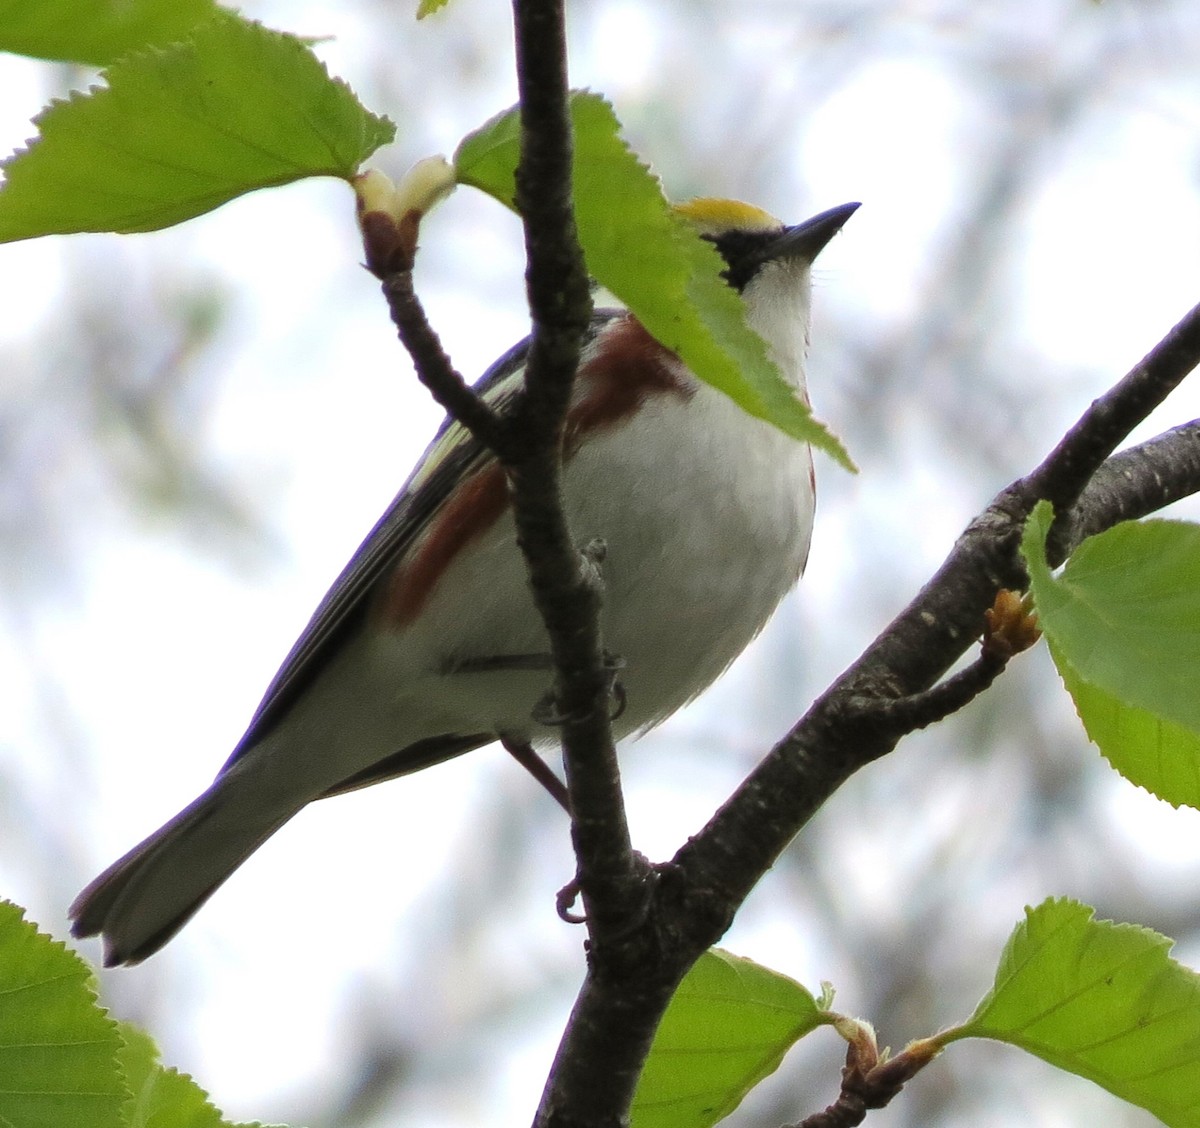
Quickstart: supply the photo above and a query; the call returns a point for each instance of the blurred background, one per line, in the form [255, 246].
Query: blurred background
[198, 426]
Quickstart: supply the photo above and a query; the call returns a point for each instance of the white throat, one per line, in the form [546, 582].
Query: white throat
[777, 300]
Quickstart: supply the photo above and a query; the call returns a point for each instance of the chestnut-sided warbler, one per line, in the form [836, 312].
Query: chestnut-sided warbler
[421, 650]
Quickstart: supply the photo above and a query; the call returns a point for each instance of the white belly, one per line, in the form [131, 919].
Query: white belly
[706, 514]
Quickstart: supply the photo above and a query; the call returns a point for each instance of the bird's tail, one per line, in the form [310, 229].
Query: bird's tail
[144, 898]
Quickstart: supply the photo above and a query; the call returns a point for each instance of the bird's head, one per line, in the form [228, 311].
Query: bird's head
[769, 263]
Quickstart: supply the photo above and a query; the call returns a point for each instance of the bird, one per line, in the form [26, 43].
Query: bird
[428, 644]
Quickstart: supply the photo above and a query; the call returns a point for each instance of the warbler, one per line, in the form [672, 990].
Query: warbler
[428, 644]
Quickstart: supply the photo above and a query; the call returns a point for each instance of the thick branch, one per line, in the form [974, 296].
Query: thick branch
[567, 583]
[603, 1049]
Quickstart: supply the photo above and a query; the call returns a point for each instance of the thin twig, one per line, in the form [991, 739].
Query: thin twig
[1011, 628]
[870, 1085]
[433, 366]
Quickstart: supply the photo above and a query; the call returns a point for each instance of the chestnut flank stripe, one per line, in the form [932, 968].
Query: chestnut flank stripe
[606, 391]
[605, 394]
[467, 513]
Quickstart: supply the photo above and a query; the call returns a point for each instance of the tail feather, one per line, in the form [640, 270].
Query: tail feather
[144, 898]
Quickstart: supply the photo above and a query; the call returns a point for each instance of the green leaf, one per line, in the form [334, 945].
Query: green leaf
[428, 7]
[652, 261]
[1123, 624]
[1154, 753]
[181, 130]
[163, 1097]
[728, 1026]
[95, 31]
[57, 1048]
[487, 157]
[1102, 1000]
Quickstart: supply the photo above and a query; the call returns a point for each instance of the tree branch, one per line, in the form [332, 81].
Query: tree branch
[647, 927]
[697, 894]
[566, 585]
[867, 1082]
[389, 218]
[527, 439]
[592, 1079]
[1011, 628]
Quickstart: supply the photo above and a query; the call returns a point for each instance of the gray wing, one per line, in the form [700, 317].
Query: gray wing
[452, 454]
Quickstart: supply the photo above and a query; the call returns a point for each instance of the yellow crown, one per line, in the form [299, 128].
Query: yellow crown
[712, 216]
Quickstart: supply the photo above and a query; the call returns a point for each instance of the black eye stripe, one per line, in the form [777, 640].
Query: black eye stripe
[744, 253]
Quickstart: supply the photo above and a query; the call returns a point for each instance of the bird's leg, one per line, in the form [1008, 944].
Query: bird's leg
[544, 712]
[522, 751]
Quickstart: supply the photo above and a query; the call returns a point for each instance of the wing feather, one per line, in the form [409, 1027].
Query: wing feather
[453, 454]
